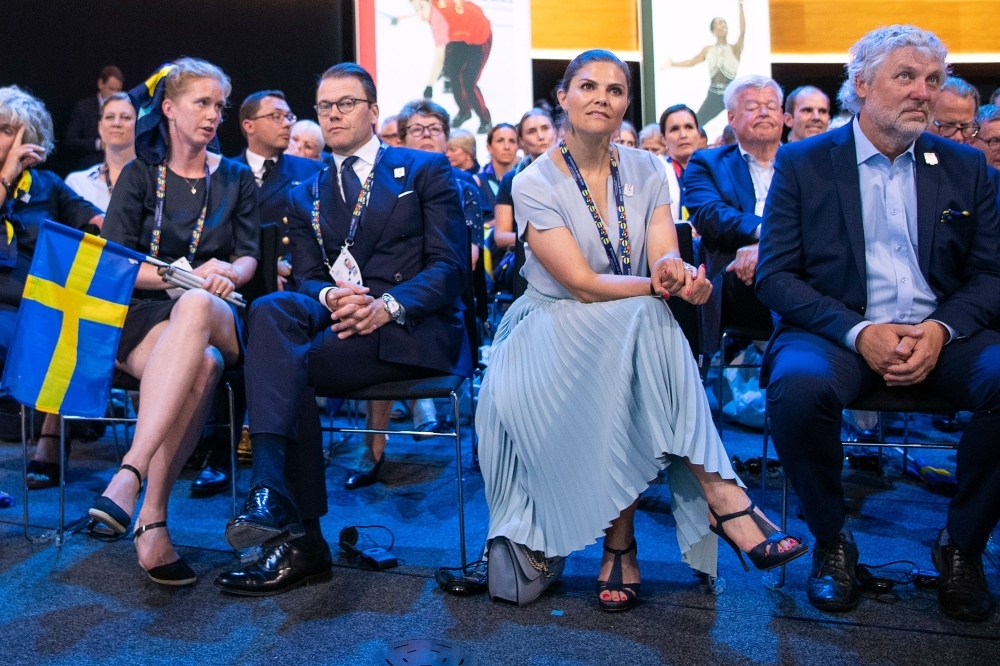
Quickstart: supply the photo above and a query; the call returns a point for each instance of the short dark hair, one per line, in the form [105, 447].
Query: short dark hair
[711, 26]
[495, 128]
[353, 70]
[594, 55]
[703, 133]
[422, 107]
[676, 108]
[111, 71]
[534, 111]
[793, 97]
[251, 105]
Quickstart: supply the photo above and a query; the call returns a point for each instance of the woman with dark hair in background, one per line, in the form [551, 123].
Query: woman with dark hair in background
[566, 453]
[186, 204]
[535, 135]
[723, 60]
[27, 197]
[679, 125]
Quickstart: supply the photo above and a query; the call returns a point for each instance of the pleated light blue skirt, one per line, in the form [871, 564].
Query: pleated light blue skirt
[581, 407]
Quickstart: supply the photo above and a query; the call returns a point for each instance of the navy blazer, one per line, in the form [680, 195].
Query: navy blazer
[811, 269]
[719, 196]
[272, 195]
[412, 243]
[81, 133]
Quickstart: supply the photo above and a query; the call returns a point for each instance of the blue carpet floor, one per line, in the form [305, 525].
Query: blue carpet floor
[89, 603]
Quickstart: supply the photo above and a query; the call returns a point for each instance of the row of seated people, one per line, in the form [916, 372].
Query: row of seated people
[643, 397]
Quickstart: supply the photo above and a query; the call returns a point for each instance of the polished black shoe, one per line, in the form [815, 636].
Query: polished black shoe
[279, 569]
[212, 481]
[833, 584]
[946, 422]
[962, 591]
[358, 479]
[267, 518]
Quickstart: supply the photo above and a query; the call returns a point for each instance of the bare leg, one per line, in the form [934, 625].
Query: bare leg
[154, 548]
[173, 353]
[725, 496]
[378, 419]
[619, 536]
[48, 447]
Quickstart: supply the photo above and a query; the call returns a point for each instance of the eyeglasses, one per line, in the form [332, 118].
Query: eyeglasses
[949, 129]
[993, 143]
[345, 105]
[277, 117]
[435, 130]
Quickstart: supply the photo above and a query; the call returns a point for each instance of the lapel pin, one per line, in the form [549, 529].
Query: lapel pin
[400, 172]
[931, 158]
[629, 190]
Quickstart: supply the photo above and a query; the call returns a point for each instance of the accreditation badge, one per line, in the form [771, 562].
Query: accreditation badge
[346, 269]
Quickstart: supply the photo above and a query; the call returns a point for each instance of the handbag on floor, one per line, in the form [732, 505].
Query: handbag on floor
[519, 575]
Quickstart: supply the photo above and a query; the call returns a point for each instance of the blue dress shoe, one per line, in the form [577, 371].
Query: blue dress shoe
[358, 479]
[267, 518]
[281, 569]
[212, 481]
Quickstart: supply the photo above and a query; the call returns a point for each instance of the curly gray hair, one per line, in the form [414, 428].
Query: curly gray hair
[869, 52]
[21, 109]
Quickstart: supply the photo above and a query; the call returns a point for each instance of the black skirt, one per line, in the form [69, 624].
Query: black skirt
[145, 313]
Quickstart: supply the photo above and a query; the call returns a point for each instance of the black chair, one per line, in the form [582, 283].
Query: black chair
[265, 281]
[902, 399]
[688, 316]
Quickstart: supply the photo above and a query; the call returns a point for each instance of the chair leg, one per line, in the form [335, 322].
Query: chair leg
[25, 428]
[458, 471]
[232, 444]
[763, 460]
[62, 483]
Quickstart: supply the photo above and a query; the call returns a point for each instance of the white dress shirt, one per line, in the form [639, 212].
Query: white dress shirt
[761, 174]
[256, 163]
[898, 293]
[90, 185]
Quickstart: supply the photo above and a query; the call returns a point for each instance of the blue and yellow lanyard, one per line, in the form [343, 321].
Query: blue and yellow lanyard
[161, 195]
[624, 247]
[359, 207]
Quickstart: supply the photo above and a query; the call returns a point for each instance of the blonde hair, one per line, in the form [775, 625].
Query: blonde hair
[185, 70]
[463, 139]
[21, 109]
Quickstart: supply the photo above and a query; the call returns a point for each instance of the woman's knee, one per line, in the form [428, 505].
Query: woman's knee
[194, 307]
[212, 365]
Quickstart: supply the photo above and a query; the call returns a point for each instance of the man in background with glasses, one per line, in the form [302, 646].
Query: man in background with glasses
[955, 115]
[387, 218]
[988, 138]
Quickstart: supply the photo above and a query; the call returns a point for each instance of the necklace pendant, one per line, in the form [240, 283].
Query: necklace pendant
[194, 191]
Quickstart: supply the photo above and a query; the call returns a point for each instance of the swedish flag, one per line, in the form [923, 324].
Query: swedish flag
[76, 295]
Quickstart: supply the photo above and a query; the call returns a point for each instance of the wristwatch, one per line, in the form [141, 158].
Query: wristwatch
[392, 306]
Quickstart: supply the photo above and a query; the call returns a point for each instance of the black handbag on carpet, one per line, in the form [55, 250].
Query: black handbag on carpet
[519, 575]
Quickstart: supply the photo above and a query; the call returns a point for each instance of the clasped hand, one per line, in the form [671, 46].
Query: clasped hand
[354, 311]
[672, 277]
[902, 354]
[220, 278]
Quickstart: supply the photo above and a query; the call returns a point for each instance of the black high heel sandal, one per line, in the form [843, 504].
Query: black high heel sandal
[614, 583]
[105, 511]
[45, 474]
[175, 574]
[764, 555]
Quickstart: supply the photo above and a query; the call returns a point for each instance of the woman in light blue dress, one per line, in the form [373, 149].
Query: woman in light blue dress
[592, 388]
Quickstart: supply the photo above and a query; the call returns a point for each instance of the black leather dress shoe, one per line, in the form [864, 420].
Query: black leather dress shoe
[946, 422]
[280, 569]
[358, 479]
[267, 518]
[962, 591]
[833, 584]
[212, 481]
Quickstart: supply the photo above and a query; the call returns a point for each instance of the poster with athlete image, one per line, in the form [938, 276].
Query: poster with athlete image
[473, 57]
[699, 47]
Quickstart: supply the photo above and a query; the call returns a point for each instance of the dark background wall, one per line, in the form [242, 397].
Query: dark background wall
[59, 46]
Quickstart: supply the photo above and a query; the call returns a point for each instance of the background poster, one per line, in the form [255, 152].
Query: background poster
[404, 52]
[681, 33]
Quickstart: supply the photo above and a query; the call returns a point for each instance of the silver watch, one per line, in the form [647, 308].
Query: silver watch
[391, 306]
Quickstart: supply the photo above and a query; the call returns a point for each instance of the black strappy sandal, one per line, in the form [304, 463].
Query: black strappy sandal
[764, 555]
[105, 511]
[45, 474]
[614, 583]
[175, 574]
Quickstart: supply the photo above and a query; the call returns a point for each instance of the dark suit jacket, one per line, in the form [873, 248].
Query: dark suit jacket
[811, 270]
[81, 133]
[412, 243]
[719, 196]
[272, 195]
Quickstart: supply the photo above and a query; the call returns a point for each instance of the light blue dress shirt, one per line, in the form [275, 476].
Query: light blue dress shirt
[898, 293]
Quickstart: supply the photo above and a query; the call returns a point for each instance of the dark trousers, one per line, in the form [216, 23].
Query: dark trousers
[292, 356]
[812, 379]
[741, 307]
[463, 65]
